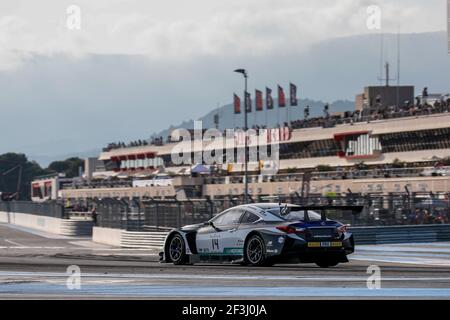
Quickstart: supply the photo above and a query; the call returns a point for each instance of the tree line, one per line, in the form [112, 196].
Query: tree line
[17, 172]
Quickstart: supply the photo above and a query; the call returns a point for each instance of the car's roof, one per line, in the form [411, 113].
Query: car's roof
[264, 206]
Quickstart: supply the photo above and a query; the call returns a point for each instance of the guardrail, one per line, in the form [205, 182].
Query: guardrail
[47, 217]
[401, 234]
[363, 235]
[53, 210]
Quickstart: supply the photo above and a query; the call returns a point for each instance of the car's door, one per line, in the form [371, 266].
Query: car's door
[222, 236]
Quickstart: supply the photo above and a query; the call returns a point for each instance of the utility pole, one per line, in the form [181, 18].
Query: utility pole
[19, 177]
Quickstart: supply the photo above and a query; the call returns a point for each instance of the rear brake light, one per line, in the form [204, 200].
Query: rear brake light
[286, 229]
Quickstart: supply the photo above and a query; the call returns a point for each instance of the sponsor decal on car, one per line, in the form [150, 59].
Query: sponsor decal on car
[233, 251]
[325, 244]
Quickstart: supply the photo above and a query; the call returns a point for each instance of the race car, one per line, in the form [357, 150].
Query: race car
[262, 235]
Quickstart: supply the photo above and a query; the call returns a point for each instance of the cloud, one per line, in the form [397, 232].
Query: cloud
[177, 30]
[66, 104]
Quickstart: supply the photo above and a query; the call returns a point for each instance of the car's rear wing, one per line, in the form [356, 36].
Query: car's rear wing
[323, 210]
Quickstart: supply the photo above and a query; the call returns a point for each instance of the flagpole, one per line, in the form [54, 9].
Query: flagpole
[278, 112]
[245, 112]
[287, 112]
[267, 106]
[290, 104]
[254, 116]
[278, 109]
[289, 118]
[266, 110]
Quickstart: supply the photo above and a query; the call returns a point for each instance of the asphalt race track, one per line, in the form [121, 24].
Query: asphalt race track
[34, 265]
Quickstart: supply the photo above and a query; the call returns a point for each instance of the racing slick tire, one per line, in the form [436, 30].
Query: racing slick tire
[177, 250]
[255, 252]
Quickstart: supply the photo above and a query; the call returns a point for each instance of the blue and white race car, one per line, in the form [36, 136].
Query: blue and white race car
[262, 235]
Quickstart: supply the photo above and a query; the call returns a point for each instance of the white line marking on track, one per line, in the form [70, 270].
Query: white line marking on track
[420, 244]
[14, 243]
[400, 260]
[120, 249]
[51, 290]
[392, 248]
[75, 249]
[217, 277]
[23, 247]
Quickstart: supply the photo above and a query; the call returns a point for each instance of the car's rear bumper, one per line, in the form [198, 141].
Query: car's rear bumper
[310, 251]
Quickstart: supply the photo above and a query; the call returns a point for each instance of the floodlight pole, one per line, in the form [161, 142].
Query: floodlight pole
[244, 73]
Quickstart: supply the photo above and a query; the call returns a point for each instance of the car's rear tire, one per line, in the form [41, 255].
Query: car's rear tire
[177, 250]
[255, 251]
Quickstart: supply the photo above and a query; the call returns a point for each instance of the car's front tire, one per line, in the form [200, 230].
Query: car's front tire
[177, 250]
[255, 251]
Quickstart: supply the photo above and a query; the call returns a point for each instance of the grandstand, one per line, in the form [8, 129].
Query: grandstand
[363, 152]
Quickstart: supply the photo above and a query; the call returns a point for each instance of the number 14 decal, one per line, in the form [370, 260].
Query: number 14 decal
[215, 244]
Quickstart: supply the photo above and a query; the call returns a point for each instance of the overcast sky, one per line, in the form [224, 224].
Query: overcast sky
[183, 30]
[167, 44]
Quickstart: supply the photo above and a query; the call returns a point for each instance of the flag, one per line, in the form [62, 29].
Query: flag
[269, 99]
[281, 97]
[248, 100]
[259, 100]
[293, 94]
[237, 104]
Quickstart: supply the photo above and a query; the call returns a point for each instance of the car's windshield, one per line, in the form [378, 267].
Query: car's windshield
[291, 214]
